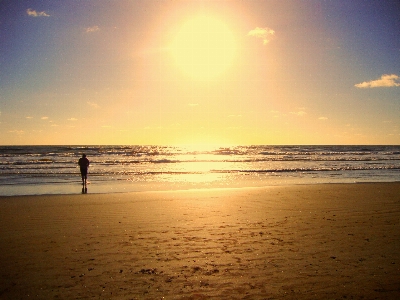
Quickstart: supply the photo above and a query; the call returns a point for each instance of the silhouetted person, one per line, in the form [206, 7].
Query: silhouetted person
[84, 165]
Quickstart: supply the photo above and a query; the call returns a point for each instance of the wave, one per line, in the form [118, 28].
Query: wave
[48, 163]
[227, 171]
[109, 162]
[172, 150]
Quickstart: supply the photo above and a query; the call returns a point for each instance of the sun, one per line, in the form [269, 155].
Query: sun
[204, 47]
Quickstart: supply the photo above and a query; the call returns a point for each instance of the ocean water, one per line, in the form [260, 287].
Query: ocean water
[31, 170]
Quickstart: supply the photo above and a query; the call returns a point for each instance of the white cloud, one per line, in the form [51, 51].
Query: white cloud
[33, 13]
[44, 118]
[72, 119]
[92, 29]
[298, 113]
[323, 118]
[29, 117]
[265, 33]
[92, 104]
[17, 131]
[386, 80]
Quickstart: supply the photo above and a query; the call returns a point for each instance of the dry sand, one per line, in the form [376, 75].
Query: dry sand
[338, 241]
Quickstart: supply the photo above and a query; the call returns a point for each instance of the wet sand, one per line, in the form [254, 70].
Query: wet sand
[334, 241]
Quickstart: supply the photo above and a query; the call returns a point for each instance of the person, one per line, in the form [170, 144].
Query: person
[84, 165]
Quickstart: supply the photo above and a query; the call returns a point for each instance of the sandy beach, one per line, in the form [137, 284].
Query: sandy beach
[333, 241]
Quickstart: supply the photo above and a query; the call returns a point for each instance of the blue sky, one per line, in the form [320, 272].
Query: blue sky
[199, 72]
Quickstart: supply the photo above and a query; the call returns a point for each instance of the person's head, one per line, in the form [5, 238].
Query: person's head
[83, 155]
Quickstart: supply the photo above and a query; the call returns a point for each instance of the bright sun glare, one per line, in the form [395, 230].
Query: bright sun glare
[204, 48]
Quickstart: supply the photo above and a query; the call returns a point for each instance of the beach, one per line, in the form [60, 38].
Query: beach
[323, 241]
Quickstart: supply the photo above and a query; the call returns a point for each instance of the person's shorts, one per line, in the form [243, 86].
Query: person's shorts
[83, 172]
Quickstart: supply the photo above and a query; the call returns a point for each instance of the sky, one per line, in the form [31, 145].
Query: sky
[171, 72]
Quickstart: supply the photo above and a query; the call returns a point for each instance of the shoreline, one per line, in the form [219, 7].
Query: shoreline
[293, 242]
[123, 187]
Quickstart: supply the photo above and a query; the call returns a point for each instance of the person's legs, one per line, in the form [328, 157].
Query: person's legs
[84, 176]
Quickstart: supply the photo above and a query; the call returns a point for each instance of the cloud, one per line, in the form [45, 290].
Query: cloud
[29, 117]
[323, 118]
[92, 29]
[386, 80]
[33, 13]
[266, 34]
[72, 119]
[193, 104]
[299, 113]
[17, 131]
[44, 118]
[92, 104]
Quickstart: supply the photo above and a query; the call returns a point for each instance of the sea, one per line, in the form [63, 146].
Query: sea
[39, 170]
